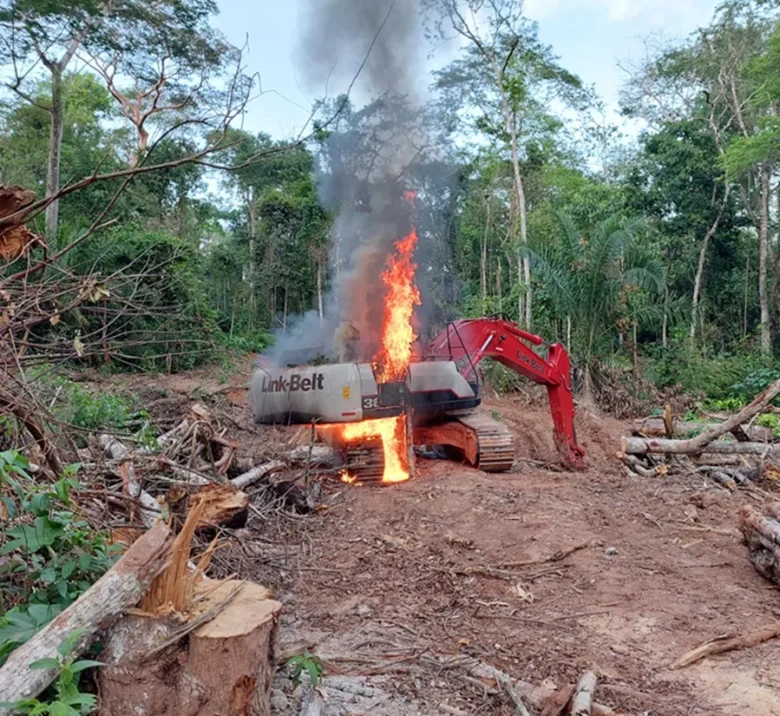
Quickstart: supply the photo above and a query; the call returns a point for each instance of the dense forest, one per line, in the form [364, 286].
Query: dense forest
[170, 233]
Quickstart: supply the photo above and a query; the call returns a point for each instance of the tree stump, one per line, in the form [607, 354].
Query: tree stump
[224, 666]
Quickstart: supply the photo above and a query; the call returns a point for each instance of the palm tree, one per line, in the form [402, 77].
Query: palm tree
[592, 280]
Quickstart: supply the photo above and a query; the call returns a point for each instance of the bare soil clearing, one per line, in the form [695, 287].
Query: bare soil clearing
[460, 561]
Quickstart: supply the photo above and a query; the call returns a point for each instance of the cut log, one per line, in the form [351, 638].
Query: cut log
[582, 701]
[643, 446]
[727, 643]
[119, 588]
[655, 427]
[225, 666]
[223, 505]
[759, 403]
[762, 536]
[257, 473]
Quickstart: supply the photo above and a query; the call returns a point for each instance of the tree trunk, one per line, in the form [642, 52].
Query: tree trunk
[665, 324]
[252, 229]
[119, 588]
[284, 314]
[524, 267]
[57, 113]
[319, 290]
[745, 302]
[498, 284]
[763, 260]
[702, 257]
[483, 258]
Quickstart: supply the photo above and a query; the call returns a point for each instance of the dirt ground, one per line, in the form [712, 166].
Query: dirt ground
[382, 576]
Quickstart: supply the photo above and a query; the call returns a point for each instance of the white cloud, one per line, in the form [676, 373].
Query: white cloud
[653, 12]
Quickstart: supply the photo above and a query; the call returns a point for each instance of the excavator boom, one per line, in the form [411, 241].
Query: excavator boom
[469, 341]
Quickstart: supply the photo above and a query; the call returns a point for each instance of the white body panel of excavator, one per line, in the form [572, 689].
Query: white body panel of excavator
[348, 392]
[328, 393]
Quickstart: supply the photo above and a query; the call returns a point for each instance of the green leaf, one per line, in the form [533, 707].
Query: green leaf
[78, 666]
[85, 562]
[68, 567]
[48, 663]
[19, 629]
[40, 503]
[48, 575]
[59, 709]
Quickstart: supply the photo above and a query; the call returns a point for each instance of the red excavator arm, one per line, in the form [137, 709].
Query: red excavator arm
[469, 340]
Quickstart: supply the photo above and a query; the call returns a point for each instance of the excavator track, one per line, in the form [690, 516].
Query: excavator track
[485, 443]
[496, 452]
[365, 461]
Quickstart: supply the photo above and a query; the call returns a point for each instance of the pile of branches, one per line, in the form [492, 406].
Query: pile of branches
[732, 452]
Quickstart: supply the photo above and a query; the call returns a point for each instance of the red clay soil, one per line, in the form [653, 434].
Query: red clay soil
[654, 582]
[384, 574]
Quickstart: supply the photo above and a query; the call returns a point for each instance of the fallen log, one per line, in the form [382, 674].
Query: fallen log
[655, 427]
[257, 473]
[582, 701]
[762, 536]
[721, 644]
[119, 588]
[758, 404]
[643, 446]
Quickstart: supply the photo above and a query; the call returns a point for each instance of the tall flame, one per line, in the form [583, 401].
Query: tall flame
[392, 360]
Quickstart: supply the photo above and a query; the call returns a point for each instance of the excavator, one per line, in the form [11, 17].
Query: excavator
[442, 388]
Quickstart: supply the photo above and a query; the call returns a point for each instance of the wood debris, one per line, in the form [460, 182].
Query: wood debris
[761, 531]
[727, 642]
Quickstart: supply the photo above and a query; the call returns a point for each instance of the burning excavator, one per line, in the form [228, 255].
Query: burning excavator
[408, 395]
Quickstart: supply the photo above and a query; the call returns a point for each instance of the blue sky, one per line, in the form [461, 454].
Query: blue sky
[590, 36]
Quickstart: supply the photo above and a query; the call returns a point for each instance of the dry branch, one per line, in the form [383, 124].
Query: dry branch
[488, 676]
[119, 588]
[725, 643]
[257, 473]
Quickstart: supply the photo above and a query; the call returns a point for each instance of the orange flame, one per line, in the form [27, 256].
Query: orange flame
[344, 476]
[392, 360]
[392, 432]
